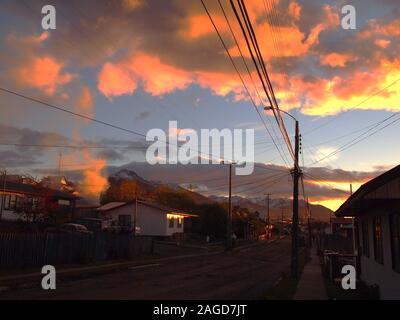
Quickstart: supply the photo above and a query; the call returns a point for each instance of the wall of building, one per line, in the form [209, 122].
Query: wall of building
[151, 221]
[374, 273]
[170, 231]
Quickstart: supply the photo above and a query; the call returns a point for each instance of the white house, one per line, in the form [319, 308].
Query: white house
[152, 219]
[376, 207]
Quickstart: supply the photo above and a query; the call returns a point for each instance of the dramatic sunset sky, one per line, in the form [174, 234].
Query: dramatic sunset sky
[139, 63]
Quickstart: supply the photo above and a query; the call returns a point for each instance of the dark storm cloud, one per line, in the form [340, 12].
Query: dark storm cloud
[12, 159]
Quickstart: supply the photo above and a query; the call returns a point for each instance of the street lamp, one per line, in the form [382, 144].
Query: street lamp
[295, 218]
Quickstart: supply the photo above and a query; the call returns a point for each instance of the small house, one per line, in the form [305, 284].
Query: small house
[150, 218]
[25, 201]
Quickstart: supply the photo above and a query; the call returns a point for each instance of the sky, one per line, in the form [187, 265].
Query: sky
[138, 64]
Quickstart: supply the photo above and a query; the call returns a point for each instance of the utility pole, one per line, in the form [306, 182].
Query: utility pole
[229, 217]
[135, 215]
[268, 216]
[59, 164]
[281, 232]
[4, 194]
[309, 223]
[355, 251]
[295, 218]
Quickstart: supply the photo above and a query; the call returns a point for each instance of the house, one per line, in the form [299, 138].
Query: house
[342, 226]
[376, 208]
[26, 201]
[152, 219]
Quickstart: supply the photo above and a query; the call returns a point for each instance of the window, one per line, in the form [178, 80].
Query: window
[179, 222]
[171, 222]
[365, 237]
[378, 239]
[9, 202]
[124, 220]
[395, 240]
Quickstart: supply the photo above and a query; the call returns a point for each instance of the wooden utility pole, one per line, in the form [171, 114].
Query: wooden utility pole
[229, 216]
[353, 224]
[4, 194]
[59, 164]
[309, 223]
[268, 216]
[295, 218]
[135, 215]
[281, 232]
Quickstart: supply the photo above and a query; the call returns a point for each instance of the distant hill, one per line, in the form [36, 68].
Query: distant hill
[169, 176]
[149, 189]
[277, 206]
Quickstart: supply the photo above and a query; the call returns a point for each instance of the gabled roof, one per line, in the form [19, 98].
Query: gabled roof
[112, 205]
[366, 188]
[35, 190]
[167, 210]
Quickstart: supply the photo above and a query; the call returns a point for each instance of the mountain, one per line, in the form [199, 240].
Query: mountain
[179, 178]
[149, 188]
[277, 207]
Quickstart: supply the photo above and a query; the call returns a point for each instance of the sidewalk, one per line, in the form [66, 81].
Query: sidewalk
[311, 285]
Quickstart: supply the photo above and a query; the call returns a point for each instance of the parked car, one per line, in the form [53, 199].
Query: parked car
[94, 224]
[75, 228]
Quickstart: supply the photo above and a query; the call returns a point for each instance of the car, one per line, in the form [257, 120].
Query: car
[75, 228]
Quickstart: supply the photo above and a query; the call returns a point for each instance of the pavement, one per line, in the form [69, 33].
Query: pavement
[245, 273]
[311, 285]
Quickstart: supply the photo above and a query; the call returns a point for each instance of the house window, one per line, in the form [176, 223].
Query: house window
[171, 222]
[9, 202]
[395, 240]
[378, 239]
[179, 222]
[365, 238]
[124, 220]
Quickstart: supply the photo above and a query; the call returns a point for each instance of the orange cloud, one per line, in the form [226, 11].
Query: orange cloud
[43, 73]
[115, 81]
[157, 77]
[382, 43]
[320, 97]
[336, 59]
[294, 10]
[374, 27]
[200, 25]
[291, 41]
[122, 77]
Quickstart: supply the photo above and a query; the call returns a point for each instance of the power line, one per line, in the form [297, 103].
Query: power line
[270, 94]
[237, 71]
[360, 137]
[104, 123]
[249, 73]
[357, 105]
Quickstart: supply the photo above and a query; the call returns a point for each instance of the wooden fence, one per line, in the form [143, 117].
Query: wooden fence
[31, 250]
